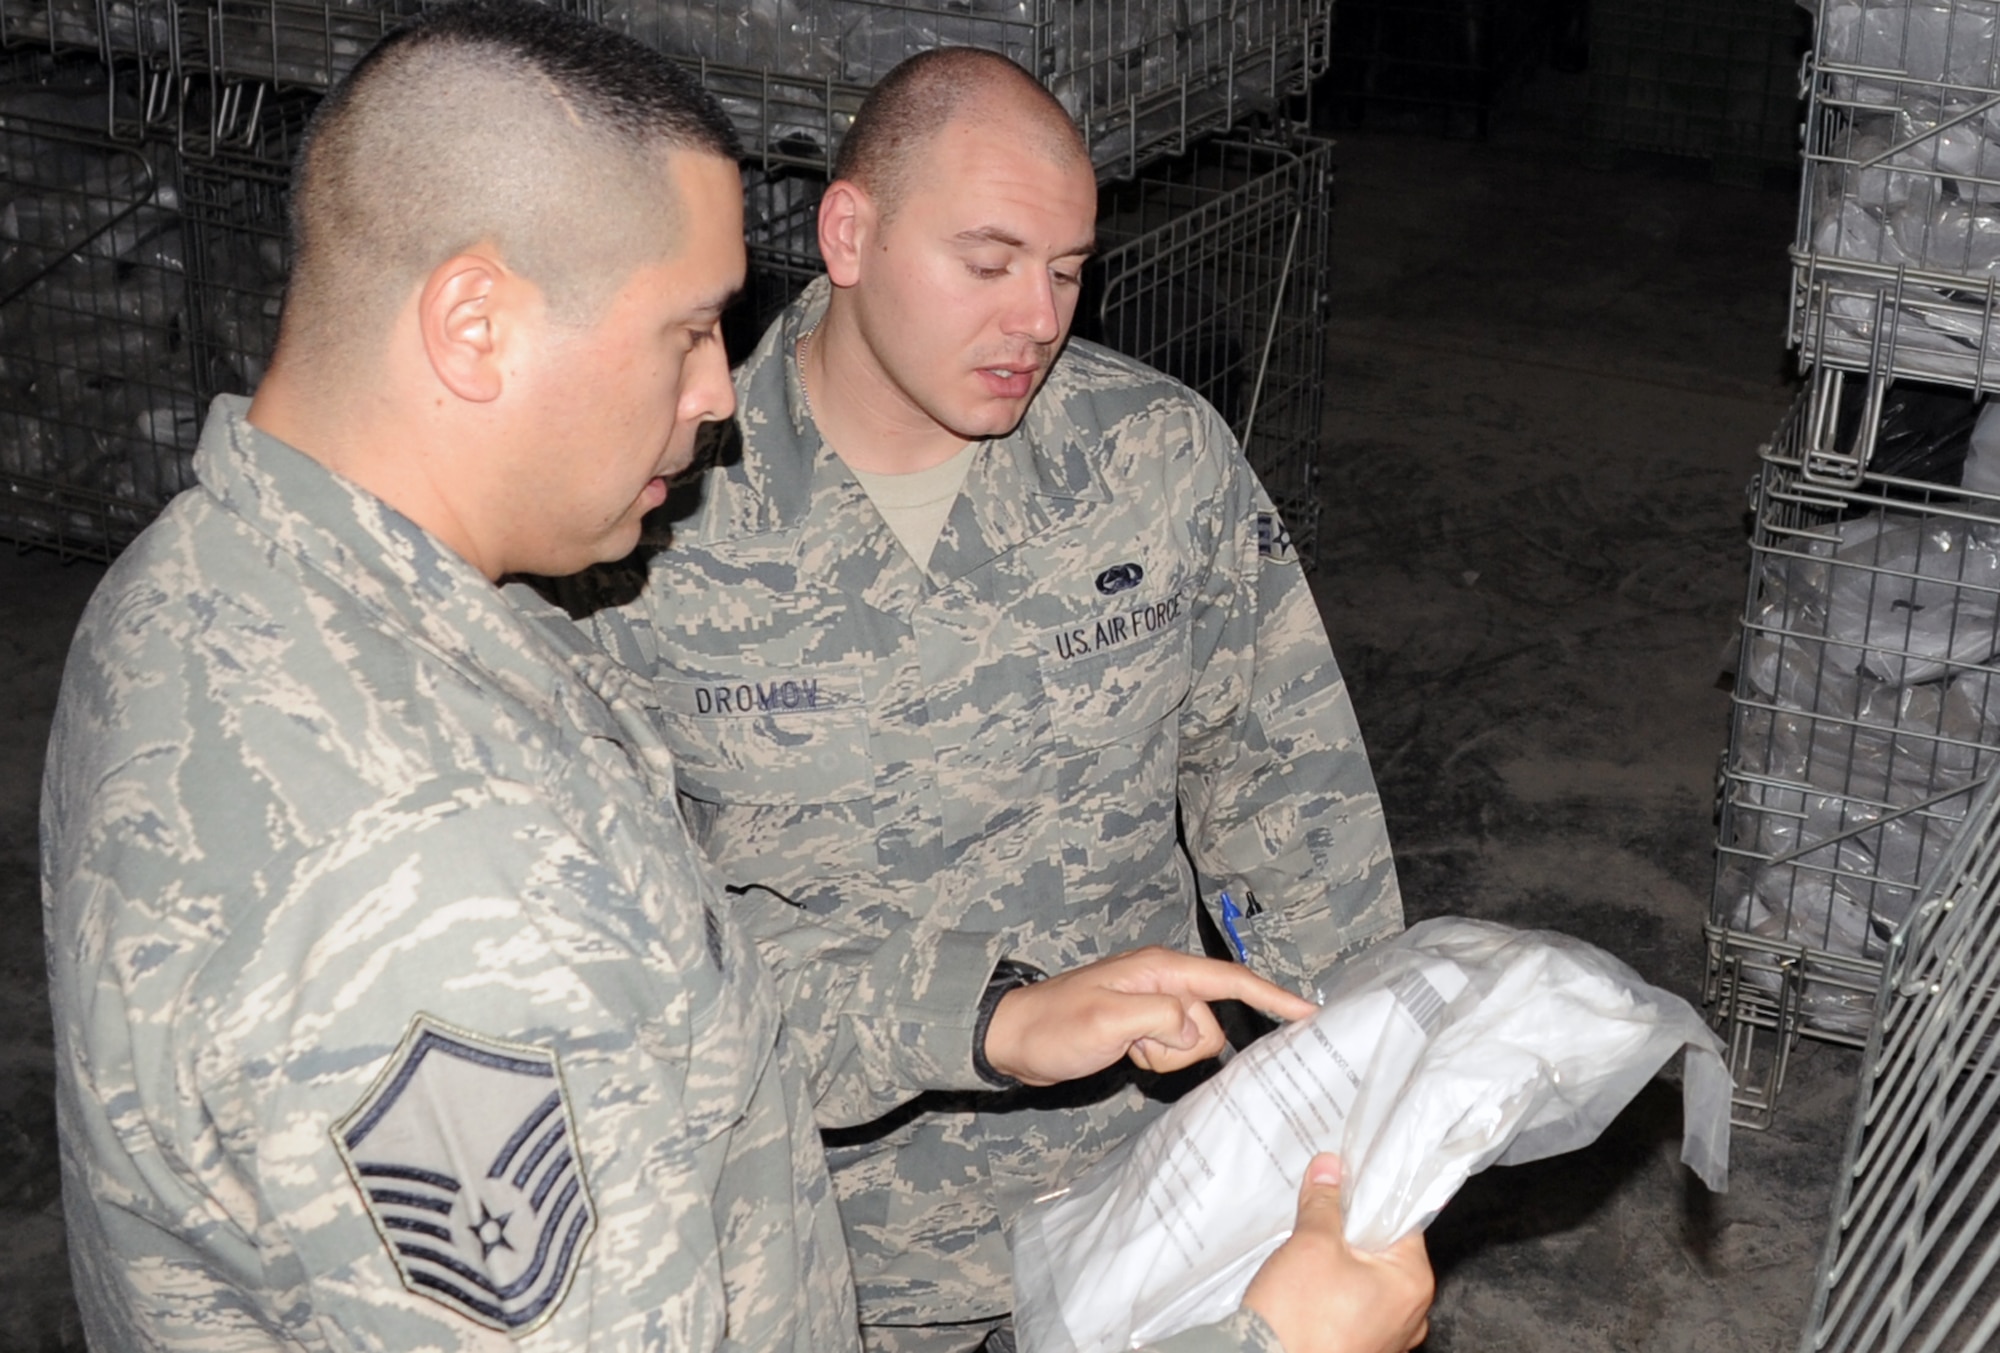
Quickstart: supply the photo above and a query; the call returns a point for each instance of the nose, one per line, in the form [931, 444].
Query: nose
[1036, 315]
[707, 393]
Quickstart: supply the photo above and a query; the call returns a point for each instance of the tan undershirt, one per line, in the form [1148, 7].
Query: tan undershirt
[916, 505]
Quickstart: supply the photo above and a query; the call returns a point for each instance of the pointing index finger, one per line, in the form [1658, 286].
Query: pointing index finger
[1216, 980]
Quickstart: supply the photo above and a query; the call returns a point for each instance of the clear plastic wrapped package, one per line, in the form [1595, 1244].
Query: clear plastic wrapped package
[1869, 711]
[1943, 41]
[1918, 597]
[1459, 1044]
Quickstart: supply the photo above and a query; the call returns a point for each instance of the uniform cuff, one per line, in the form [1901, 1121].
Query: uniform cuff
[938, 1016]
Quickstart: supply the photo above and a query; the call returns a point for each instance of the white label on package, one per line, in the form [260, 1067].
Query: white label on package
[1453, 1046]
[1247, 1134]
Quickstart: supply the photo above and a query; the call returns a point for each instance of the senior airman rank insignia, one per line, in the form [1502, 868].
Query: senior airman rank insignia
[465, 1155]
[1274, 541]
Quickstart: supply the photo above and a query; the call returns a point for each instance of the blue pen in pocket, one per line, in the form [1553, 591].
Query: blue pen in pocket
[1231, 914]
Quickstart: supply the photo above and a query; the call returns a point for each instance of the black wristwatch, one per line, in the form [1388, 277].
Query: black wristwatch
[1008, 974]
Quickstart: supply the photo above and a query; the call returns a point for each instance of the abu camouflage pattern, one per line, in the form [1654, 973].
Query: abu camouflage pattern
[931, 769]
[389, 1013]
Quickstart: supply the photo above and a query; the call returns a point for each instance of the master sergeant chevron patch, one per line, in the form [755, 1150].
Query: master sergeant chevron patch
[465, 1155]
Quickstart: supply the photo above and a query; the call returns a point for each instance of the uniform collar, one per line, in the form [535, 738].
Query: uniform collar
[412, 581]
[788, 479]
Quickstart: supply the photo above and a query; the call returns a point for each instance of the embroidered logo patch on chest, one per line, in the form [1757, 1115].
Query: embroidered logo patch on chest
[1120, 577]
[464, 1152]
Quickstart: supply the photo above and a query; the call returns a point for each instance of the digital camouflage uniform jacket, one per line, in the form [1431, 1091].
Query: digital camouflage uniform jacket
[389, 1015]
[940, 769]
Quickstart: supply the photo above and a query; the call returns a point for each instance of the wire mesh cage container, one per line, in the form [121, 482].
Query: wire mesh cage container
[1216, 273]
[238, 260]
[781, 233]
[1143, 80]
[1898, 241]
[1716, 80]
[1442, 60]
[99, 406]
[1912, 1248]
[1866, 709]
[291, 44]
[53, 24]
[1213, 270]
[98, 27]
[285, 42]
[127, 46]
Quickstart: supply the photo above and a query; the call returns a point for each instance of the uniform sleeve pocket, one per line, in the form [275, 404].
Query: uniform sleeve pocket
[792, 741]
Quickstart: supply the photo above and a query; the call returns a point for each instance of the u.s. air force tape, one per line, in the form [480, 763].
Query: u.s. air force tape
[465, 1156]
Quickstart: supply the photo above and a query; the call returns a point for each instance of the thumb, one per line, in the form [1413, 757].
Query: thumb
[1166, 1020]
[1319, 1197]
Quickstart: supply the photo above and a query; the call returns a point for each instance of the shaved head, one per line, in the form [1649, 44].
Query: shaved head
[496, 123]
[903, 114]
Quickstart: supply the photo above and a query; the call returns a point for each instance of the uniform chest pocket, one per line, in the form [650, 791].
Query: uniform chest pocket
[1115, 674]
[795, 739]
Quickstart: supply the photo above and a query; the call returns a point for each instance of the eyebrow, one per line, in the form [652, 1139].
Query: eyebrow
[716, 303]
[996, 235]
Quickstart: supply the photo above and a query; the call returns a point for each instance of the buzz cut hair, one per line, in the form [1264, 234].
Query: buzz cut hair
[908, 107]
[503, 124]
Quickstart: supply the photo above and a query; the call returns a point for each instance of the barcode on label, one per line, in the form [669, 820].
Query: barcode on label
[1420, 999]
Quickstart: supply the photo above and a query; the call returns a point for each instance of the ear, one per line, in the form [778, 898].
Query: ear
[464, 314]
[847, 222]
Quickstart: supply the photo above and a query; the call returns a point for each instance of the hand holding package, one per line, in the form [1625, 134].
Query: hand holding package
[1459, 1044]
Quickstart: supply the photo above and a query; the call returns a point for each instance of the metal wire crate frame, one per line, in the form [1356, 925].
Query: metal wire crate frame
[286, 43]
[1213, 270]
[1141, 79]
[1712, 79]
[1899, 211]
[128, 44]
[98, 402]
[1217, 274]
[1912, 1247]
[781, 233]
[1866, 711]
[229, 58]
[79, 89]
[98, 27]
[76, 25]
[238, 259]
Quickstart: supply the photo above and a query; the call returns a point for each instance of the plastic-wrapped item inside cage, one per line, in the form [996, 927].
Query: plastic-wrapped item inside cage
[1866, 712]
[1898, 245]
[1141, 79]
[98, 400]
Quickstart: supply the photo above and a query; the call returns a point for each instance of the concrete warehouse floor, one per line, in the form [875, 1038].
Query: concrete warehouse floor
[1546, 388]
[1545, 394]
